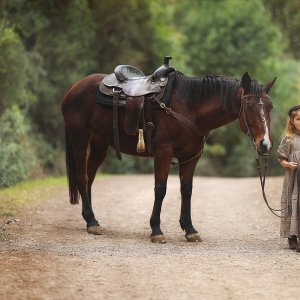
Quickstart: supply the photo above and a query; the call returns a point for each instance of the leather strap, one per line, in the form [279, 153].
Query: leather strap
[149, 124]
[183, 120]
[198, 154]
[262, 178]
[133, 114]
[116, 94]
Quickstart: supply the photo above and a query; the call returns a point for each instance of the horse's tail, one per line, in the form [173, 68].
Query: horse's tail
[71, 170]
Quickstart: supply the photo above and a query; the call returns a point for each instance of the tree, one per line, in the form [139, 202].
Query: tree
[18, 158]
[287, 14]
[13, 69]
[219, 40]
[125, 34]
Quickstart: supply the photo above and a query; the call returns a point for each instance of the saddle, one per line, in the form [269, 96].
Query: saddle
[128, 87]
[133, 82]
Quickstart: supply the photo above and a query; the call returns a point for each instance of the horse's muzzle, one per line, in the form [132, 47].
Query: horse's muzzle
[264, 147]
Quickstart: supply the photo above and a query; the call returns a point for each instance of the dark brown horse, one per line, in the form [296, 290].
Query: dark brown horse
[208, 102]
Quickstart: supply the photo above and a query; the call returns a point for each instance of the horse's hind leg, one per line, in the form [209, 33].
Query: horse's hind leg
[80, 140]
[162, 161]
[96, 157]
[186, 172]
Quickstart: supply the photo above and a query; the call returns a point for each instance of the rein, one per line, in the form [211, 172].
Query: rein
[262, 176]
[183, 120]
[186, 123]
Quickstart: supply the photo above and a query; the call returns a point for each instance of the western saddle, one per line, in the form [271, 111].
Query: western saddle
[130, 85]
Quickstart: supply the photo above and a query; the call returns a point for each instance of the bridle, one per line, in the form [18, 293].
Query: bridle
[262, 175]
[243, 112]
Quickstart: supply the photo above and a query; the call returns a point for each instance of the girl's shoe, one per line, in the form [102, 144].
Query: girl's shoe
[293, 243]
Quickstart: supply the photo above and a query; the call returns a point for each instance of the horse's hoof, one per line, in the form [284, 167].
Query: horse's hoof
[158, 239]
[96, 229]
[194, 237]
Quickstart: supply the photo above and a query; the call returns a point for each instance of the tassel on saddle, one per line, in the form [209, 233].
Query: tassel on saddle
[134, 120]
[140, 147]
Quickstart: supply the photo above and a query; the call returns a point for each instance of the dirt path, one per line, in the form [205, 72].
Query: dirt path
[49, 255]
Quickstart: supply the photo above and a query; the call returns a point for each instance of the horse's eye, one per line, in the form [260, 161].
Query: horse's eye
[248, 107]
[269, 105]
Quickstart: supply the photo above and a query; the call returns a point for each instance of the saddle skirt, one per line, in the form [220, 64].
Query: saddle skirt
[134, 87]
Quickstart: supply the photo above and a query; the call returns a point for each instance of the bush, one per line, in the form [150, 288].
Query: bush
[17, 157]
[14, 75]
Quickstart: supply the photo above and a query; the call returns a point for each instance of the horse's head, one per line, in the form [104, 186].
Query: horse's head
[255, 111]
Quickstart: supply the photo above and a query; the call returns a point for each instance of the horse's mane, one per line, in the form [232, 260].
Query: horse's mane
[195, 90]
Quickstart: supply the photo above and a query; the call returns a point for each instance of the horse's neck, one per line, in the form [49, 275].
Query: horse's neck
[211, 114]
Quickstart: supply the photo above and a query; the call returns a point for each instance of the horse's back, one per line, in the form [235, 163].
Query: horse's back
[79, 101]
[83, 87]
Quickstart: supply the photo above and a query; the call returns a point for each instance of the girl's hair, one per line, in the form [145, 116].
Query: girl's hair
[289, 130]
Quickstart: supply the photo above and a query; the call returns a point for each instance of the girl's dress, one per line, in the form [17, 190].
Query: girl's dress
[289, 149]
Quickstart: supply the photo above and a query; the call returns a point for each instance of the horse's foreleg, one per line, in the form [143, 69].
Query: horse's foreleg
[162, 162]
[186, 172]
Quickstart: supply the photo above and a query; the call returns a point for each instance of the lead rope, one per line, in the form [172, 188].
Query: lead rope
[262, 183]
[261, 177]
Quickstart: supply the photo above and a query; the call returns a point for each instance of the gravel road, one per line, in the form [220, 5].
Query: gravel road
[47, 254]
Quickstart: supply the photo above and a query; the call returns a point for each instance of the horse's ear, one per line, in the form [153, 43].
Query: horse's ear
[268, 85]
[246, 83]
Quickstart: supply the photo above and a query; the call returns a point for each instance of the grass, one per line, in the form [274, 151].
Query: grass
[29, 192]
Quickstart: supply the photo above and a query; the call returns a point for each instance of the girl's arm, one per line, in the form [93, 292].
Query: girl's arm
[288, 164]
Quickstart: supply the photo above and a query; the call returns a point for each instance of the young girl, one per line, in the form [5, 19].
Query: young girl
[289, 157]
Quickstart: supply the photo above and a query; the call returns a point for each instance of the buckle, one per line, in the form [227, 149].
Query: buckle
[116, 90]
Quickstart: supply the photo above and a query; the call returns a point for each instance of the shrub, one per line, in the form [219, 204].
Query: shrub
[17, 157]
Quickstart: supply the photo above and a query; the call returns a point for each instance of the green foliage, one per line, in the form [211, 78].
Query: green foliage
[287, 14]
[125, 34]
[237, 155]
[13, 69]
[17, 157]
[219, 40]
[46, 45]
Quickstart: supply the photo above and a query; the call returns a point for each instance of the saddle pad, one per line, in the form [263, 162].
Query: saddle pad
[106, 100]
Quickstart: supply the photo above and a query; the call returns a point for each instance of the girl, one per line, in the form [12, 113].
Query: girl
[289, 157]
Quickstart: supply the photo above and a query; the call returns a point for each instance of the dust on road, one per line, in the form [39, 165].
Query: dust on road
[49, 255]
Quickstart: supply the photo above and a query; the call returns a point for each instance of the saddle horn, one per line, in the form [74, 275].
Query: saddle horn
[164, 70]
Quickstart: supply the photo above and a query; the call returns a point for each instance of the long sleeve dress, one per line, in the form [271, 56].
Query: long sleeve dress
[289, 149]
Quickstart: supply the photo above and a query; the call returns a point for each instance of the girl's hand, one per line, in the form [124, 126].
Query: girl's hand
[292, 165]
[289, 164]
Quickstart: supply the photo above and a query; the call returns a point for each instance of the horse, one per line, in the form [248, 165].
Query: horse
[206, 102]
